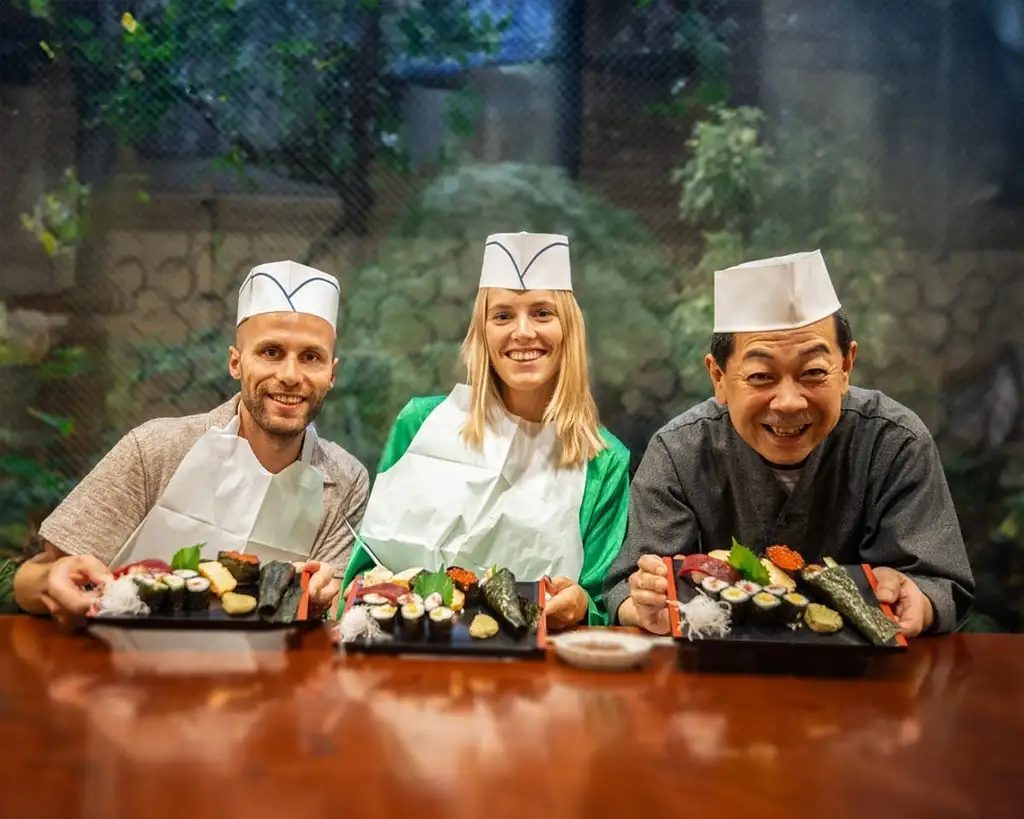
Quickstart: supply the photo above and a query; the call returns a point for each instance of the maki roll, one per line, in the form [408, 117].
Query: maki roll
[244, 568]
[412, 621]
[275, 577]
[739, 603]
[151, 592]
[778, 590]
[439, 623]
[749, 588]
[713, 587]
[197, 594]
[501, 597]
[384, 616]
[374, 599]
[766, 608]
[794, 606]
[185, 574]
[175, 599]
[432, 601]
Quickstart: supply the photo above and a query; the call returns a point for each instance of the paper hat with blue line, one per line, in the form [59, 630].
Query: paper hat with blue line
[289, 287]
[526, 261]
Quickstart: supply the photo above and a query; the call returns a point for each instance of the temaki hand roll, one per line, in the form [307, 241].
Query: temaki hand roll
[275, 577]
[500, 594]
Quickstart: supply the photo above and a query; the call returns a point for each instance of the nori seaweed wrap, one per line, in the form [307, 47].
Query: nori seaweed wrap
[501, 597]
[531, 613]
[175, 585]
[151, 592]
[841, 589]
[244, 568]
[275, 578]
[197, 593]
[288, 609]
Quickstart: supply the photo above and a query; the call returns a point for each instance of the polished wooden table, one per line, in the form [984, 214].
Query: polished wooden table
[937, 732]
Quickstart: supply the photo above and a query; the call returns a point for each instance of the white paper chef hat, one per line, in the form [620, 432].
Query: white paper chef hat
[283, 286]
[781, 293]
[526, 261]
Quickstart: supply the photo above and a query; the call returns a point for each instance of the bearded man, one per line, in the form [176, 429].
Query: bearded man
[250, 476]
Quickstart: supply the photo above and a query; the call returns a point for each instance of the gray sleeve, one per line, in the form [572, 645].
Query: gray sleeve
[101, 512]
[916, 531]
[660, 522]
[335, 541]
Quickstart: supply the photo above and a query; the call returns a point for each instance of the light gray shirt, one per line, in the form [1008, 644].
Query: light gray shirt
[872, 492]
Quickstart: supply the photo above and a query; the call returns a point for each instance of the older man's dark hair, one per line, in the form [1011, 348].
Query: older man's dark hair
[722, 344]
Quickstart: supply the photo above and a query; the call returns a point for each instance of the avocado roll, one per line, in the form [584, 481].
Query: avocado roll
[794, 606]
[739, 603]
[713, 586]
[245, 568]
[197, 594]
[384, 616]
[765, 608]
[175, 600]
[412, 621]
[151, 592]
[439, 624]
[748, 588]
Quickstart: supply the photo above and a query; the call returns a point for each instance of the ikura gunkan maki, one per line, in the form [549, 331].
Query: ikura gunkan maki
[244, 568]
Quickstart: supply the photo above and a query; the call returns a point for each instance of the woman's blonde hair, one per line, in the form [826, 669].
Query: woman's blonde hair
[572, 407]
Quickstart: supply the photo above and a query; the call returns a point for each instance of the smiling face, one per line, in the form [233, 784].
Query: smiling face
[284, 363]
[524, 342]
[784, 389]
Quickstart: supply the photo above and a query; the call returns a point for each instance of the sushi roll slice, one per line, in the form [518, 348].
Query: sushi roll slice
[186, 574]
[439, 624]
[432, 602]
[777, 590]
[384, 616]
[175, 585]
[373, 599]
[794, 606]
[713, 587]
[151, 592]
[766, 608]
[739, 603]
[197, 594]
[748, 588]
[412, 621]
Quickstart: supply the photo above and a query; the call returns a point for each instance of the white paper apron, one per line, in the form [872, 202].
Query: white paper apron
[222, 496]
[444, 503]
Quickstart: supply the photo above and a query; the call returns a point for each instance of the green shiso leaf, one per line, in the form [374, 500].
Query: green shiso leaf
[187, 558]
[435, 583]
[746, 563]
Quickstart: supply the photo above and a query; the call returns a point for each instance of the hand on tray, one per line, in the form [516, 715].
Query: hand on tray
[912, 608]
[67, 594]
[648, 594]
[324, 587]
[568, 604]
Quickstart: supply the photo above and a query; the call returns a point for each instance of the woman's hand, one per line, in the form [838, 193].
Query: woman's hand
[568, 604]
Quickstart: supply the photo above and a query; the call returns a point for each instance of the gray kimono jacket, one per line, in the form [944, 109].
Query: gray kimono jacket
[872, 492]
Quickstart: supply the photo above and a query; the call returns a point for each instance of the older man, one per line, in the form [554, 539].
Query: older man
[251, 475]
[788, 452]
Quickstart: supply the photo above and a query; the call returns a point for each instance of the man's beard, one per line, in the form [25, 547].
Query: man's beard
[254, 402]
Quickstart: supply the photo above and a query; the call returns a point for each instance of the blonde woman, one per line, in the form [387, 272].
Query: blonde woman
[512, 469]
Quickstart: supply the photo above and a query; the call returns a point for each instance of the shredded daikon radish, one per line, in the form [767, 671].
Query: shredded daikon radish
[120, 599]
[356, 623]
[704, 617]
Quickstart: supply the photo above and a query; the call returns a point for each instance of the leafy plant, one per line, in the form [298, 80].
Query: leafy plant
[56, 219]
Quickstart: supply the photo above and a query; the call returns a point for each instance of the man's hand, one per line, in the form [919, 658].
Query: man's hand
[324, 587]
[568, 604]
[646, 606]
[912, 608]
[66, 595]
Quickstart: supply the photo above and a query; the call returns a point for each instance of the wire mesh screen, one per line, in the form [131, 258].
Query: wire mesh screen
[161, 148]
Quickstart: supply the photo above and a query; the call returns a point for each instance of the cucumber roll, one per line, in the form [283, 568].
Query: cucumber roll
[713, 587]
[766, 608]
[412, 621]
[151, 592]
[739, 603]
[384, 616]
[197, 594]
[186, 574]
[439, 624]
[777, 590]
[175, 600]
[794, 606]
[748, 588]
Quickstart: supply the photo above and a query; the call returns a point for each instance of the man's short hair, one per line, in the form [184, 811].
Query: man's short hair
[722, 344]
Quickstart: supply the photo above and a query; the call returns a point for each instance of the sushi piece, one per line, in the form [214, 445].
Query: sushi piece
[275, 577]
[794, 606]
[221, 580]
[175, 599]
[406, 577]
[151, 592]
[458, 600]
[384, 617]
[374, 599]
[483, 627]
[237, 605]
[699, 566]
[821, 619]
[777, 577]
[466, 582]
[839, 588]
[288, 610]
[501, 597]
[748, 587]
[531, 614]
[432, 601]
[412, 621]
[765, 609]
[713, 586]
[739, 604]
[378, 574]
[785, 558]
[197, 593]
[439, 623]
[244, 568]
[185, 574]
[777, 590]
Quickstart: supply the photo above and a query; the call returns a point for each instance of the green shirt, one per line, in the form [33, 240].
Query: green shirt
[603, 511]
[8, 568]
